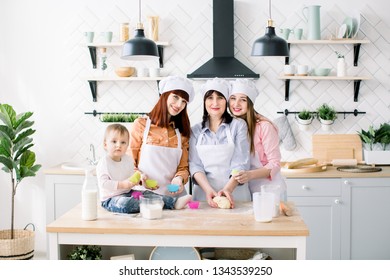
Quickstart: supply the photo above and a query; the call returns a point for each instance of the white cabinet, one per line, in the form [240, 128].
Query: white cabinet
[319, 203]
[367, 223]
[348, 218]
[63, 192]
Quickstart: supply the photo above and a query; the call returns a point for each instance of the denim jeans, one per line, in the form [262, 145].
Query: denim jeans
[126, 203]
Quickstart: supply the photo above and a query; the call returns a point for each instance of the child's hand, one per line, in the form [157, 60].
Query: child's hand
[125, 184]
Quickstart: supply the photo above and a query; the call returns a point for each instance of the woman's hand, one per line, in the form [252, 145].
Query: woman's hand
[242, 177]
[228, 194]
[209, 197]
[145, 177]
[178, 180]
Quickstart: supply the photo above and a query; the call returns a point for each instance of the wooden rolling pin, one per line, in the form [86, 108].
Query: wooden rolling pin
[301, 162]
[285, 209]
[342, 162]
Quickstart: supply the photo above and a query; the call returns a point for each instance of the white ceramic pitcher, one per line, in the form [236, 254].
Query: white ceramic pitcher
[312, 16]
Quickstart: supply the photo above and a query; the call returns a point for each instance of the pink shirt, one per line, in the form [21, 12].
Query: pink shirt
[266, 142]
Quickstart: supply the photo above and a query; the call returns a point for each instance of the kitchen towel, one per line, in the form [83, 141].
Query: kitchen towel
[286, 136]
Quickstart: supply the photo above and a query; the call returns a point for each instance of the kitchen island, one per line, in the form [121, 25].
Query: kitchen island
[204, 227]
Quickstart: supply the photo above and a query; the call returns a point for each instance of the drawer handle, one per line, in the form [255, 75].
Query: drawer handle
[304, 187]
[337, 201]
[346, 182]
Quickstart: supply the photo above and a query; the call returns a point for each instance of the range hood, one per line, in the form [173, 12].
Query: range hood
[223, 64]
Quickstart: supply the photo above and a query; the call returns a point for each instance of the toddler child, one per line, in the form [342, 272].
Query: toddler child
[113, 172]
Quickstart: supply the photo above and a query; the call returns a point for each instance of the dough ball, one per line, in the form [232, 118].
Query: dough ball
[222, 202]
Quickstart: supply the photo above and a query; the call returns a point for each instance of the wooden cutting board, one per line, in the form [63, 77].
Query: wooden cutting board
[327, 147]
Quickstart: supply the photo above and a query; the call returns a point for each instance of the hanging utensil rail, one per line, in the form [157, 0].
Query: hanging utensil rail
[355, 113]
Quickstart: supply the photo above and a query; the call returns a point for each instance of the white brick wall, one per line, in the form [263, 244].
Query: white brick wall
[188, 29]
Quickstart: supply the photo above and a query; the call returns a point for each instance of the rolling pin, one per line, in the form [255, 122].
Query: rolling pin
[343, 162]
[301, 162]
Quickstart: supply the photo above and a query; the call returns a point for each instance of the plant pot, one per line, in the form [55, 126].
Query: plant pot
[304, 124]
[376, 157]
[325, 124]
[21, 247]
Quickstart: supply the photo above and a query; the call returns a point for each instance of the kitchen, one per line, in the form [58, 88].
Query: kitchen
[48, 77]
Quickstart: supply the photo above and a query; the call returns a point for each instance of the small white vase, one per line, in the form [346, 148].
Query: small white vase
[325, 124]
[341, 68]
[304, 124]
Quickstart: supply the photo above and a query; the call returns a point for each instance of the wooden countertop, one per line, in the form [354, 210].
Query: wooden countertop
[203, 221]
[332, 172]
[58, 170]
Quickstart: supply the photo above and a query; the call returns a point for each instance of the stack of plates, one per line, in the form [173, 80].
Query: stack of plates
[350, 26]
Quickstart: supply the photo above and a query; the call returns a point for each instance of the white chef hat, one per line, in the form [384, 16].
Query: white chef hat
[177, 83]
[246, 87]
[217, 84]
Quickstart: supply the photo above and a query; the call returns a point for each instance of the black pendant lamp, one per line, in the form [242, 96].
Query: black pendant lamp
[139, 47]
[270, 44]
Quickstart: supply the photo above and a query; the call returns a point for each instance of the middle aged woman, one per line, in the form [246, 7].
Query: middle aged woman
[264, 140]
[159, 142]
[218, 145]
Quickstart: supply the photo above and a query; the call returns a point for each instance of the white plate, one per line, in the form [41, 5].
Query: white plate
[356, 23]
[349, 22]
[342, 31]
[174, 253]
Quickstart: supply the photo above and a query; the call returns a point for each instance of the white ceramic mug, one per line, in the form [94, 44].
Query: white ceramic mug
[302, 70]
[154, 72]
[285, 33]
[89, 36]
[107, 36]
[263, 206]
[142, 72]
[289, 70]
[298, 33]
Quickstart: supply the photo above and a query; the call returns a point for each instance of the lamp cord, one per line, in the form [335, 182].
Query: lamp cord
[139, 9]
[269, 9]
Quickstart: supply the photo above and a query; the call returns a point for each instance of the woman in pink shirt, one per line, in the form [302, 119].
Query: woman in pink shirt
[263, 137]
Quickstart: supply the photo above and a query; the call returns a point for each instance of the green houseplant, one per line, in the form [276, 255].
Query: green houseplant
[375, 143]
[117, 117]
[86, 252]
[327, 115]
[126, 119]
[16, 156]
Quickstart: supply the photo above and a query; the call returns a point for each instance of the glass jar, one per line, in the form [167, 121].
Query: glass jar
[103, 60]
[153, 28]
[124, 32]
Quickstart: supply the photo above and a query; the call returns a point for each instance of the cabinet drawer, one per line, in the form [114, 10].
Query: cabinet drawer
[313, 187]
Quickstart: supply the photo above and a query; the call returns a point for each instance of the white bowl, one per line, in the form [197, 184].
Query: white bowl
[321, 71]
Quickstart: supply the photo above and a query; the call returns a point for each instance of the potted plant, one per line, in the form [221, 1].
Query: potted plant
[304, 119]
[86, 252]
[126, 119]
[327, 115]
[19, 161]
[118, 117]
[376, 143]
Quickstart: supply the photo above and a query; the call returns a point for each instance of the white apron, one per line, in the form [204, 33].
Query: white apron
[255, 184]
[159, 163]
[216, 161]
